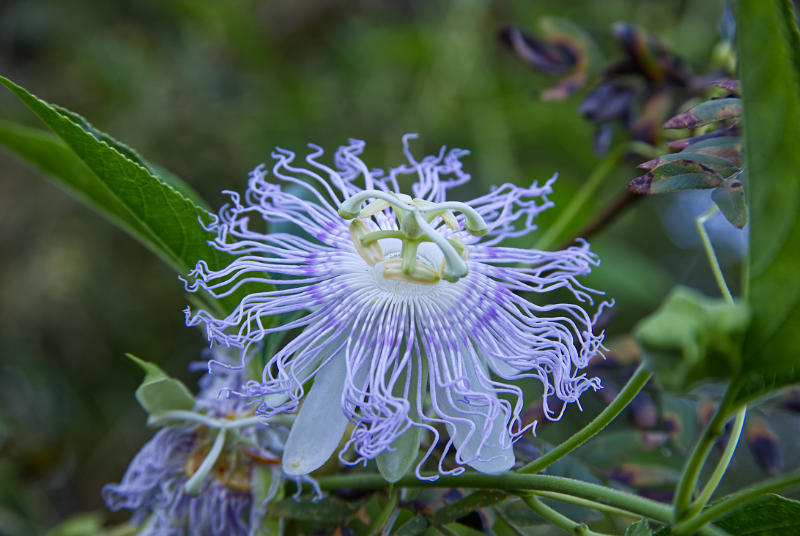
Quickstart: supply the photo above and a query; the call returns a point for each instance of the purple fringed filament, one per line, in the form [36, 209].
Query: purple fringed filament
[405, 296]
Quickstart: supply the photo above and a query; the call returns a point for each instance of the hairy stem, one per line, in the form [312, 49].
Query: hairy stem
[557, 518]
[734, 500]
[722, 465]
[635, 384]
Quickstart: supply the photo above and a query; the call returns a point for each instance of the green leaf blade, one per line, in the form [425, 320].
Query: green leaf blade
[771, 516]
[769, 56]
[159, 392]
[707, 112]
[124, 187]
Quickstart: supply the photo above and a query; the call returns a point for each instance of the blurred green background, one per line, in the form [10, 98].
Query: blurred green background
[207, 89]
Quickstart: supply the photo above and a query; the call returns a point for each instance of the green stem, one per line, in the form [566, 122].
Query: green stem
[734, 500]
[583, 195]
[557, 518]
[693, 466]
[515, 482]
[511, 482]
[586, 503]
[722, 465]
[712, 256]
[635, 384]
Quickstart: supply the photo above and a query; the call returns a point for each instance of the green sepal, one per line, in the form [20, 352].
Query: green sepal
[159, 392]
[394, 464]
[691, 338]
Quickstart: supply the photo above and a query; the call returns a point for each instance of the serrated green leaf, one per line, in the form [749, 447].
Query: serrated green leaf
[121, 186]
[47, 152]
[155, 170]
[707, 112]
[691, 338]
[729, 197]
[159, 392]
[462, 507]
[769, 58]
[771, 516]
[640, 528]
[681, 174]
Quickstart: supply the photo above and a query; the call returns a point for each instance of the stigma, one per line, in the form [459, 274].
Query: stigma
[413, 218]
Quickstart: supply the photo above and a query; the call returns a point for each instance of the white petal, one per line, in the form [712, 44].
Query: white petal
[497, 453]
[320, 423]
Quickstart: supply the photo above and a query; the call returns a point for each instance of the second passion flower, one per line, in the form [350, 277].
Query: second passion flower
[413, 315]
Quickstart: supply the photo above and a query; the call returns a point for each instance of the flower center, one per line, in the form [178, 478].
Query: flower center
[413, 218]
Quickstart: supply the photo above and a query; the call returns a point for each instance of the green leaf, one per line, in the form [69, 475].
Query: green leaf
[120, 184]
[262, 481]
[682, 174]
[640, 528]
[707, 112]
[692, 338]
[721, 165]
[462, 507]
[769, 58]
[732, 86]
[326, 511]
[86, 524]
[133, 156]
[771, 516]
[415, 526]
[159, 392]
[728, 147]
[461, 530]
[729, 197]
[47, 152]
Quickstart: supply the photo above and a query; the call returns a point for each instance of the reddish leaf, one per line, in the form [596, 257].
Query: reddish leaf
[707, 112]
[675, 175]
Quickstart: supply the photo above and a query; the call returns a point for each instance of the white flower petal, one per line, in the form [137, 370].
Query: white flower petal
[320, 424]
[496, 454]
